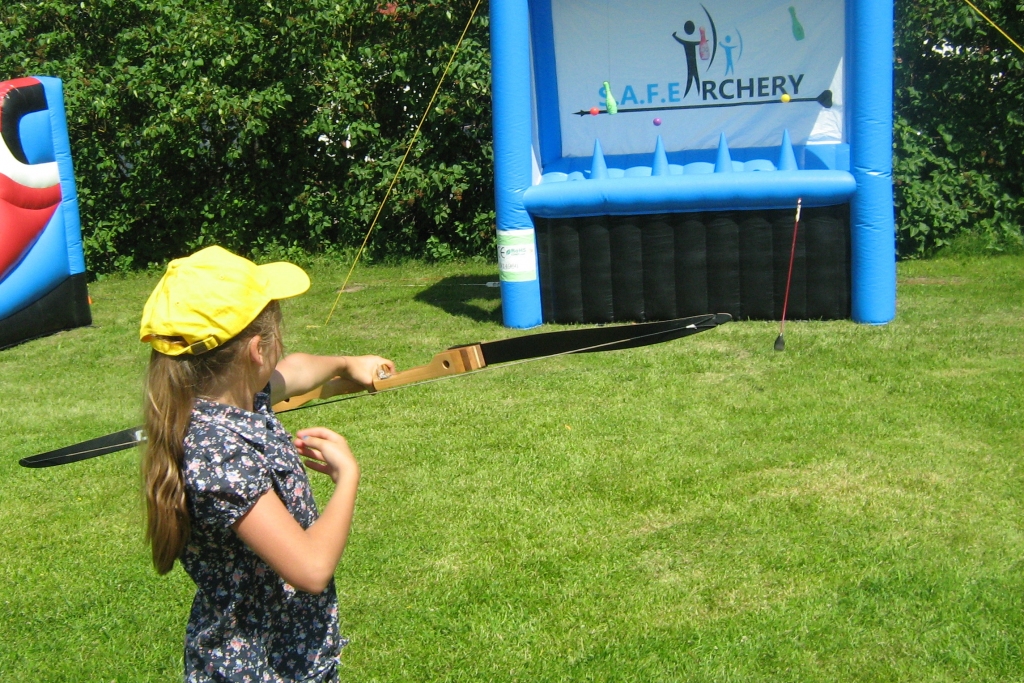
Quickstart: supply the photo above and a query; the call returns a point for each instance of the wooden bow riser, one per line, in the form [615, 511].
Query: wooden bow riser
[454, 361]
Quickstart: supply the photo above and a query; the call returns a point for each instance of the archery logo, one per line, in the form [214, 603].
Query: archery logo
[766, 75]
[694, 46]
[701, 43]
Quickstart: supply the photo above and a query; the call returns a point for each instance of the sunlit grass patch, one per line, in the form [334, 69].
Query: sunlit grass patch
[705, 509]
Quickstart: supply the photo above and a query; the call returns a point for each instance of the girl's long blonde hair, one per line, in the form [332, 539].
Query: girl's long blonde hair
[172, 385]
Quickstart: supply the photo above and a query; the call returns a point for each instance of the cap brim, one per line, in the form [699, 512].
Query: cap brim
[284, 280]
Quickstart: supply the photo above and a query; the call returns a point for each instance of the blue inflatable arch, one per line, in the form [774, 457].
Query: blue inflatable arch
[649, 155]
[42, 266]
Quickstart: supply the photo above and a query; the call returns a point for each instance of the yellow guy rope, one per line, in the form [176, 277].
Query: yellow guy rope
[415, 134]
[995, 26]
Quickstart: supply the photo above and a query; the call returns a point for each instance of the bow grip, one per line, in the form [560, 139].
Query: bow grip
[454, 361]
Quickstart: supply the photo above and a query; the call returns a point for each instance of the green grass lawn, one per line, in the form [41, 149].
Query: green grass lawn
[704, 510]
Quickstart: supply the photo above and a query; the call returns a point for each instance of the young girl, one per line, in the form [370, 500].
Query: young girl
[225, 489]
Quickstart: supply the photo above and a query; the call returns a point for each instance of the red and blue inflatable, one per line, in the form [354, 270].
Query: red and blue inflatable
[42, 265]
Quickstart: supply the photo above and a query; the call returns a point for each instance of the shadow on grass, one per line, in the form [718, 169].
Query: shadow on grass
[465, 295]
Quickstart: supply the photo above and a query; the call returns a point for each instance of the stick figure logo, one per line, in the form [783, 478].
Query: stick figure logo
[729, 47]
[691, 44]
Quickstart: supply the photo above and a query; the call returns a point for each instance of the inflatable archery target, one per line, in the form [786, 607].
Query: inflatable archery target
[650, 153]
[42, 266]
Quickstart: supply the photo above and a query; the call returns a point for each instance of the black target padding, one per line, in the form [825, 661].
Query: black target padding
[602, 269]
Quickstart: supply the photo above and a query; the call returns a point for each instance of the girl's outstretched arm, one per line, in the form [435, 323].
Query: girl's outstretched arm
[306, 558]
[301, 372]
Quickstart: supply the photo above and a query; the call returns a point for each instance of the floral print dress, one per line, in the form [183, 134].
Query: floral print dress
[247, 624]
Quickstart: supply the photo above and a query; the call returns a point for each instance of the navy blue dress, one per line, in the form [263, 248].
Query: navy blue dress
[247, 624]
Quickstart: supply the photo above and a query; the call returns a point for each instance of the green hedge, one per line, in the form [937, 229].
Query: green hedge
[271, 127]
[274, 127]
[959, 128]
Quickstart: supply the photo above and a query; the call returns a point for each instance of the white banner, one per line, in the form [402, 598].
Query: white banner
[689, 71]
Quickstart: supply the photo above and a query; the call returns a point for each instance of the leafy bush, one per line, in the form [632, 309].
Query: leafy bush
[275, 126]
[267, 126]
[959, 128]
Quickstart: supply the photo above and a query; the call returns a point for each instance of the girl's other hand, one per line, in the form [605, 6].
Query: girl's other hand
[364, 369]
[327, 452]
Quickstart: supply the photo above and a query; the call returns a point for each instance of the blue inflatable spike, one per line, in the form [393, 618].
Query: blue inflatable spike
[723, 164]
[598, 168]
[660, 164]
[787, 159]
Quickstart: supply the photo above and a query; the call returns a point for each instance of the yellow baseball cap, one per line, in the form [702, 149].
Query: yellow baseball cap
[207, 298]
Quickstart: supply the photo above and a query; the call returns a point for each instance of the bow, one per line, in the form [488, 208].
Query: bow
[457, 360]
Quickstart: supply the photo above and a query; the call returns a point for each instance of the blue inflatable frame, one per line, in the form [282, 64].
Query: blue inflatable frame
[525, 105]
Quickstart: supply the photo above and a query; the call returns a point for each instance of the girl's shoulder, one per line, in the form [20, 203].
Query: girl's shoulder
[226, 438]
[215, 427]
[233, 456]
[225, 467]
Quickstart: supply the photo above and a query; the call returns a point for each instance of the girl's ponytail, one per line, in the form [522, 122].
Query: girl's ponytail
[172, 385]
[170, 393]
